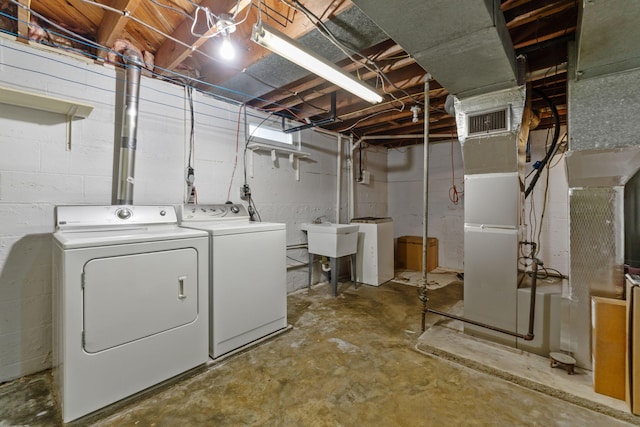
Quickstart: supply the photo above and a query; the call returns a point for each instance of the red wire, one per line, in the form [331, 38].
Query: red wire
[454, 196]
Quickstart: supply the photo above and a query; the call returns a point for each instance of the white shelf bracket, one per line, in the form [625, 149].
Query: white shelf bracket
[293, 155]
[71, 109]
[70, 115]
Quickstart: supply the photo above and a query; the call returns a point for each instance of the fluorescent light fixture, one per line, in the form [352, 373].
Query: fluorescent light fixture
[284, 46]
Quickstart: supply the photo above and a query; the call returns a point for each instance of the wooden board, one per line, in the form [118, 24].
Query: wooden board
[633, 347]
[609, 346]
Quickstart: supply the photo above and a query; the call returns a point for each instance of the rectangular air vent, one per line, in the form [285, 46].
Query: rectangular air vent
[489, 122]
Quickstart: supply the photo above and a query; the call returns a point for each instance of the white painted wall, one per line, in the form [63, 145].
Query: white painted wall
[37, 172]
[446, 219]
[371, 199]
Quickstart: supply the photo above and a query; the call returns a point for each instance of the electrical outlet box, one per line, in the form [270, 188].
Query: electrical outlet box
[366, 178]
[245, 192]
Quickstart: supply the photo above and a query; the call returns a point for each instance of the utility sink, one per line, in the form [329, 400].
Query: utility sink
[331, 240]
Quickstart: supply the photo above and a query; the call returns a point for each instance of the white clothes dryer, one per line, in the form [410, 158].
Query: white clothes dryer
[248, 275]
[130, 302]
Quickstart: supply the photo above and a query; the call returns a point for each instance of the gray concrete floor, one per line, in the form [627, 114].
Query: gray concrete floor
[354, 360]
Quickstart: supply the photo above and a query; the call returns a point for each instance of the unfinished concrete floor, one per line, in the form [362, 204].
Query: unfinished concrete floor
[347, 361]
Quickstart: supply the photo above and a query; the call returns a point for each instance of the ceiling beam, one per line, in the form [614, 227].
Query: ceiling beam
[540, 13]
[512, 4]
[24, 17]
[113, 23]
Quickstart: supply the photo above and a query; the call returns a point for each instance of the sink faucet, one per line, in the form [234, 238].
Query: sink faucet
[318, 220]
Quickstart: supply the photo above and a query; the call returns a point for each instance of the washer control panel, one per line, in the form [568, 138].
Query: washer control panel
[220, 212]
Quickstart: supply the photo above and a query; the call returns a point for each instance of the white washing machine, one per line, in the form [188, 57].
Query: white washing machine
[248, 271]
[374, 259]
[130, 302]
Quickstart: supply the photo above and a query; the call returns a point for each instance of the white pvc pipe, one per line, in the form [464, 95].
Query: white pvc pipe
[352, 181]
[338, 179]
[325, 266]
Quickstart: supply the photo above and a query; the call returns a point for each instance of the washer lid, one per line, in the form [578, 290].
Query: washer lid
[227, 228]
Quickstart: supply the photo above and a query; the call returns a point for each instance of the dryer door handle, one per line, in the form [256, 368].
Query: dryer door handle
[181, 294]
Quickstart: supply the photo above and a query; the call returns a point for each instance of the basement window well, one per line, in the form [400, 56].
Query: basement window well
[269, 135]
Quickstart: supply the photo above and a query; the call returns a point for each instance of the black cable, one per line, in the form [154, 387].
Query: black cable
[360, 162]
[192, 131]
[556, 135]
[249, 138]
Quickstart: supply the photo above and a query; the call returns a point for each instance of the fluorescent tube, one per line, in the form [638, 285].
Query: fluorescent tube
[284, 46]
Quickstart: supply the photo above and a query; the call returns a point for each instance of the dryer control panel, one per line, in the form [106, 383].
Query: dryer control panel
[80, 217]
[219, 212]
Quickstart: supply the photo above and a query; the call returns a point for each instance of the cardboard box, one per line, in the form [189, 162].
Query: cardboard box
[633, 346]
[409, 253]
[609, 346]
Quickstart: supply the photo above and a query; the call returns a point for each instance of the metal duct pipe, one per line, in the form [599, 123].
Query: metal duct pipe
[128, 140]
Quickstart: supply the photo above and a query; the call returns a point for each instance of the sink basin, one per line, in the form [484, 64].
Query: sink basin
[332, 240]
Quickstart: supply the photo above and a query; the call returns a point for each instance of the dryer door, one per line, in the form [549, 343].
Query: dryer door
[130, 297]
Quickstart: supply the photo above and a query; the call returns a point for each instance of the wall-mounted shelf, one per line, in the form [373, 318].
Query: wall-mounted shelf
[294, 155]
[69, 108]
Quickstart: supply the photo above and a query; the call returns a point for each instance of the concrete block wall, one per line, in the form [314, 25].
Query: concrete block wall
[446, 219]
[371, 199]
[38, 172]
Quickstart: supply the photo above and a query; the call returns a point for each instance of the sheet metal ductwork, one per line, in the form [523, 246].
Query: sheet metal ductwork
[464, 44]
[128, 140]
[604, 153]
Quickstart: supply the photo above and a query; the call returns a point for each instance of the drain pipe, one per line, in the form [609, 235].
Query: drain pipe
[133, 65]
[352, 180]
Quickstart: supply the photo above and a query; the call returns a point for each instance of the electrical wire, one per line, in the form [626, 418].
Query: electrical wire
[556, 134]
[235, 160]
[454, 194]
[252, 206]
[346, 50]
[189, 91]
[176, 76]
[246, 144]
[222, 112]
[190, 172]
[367, 118]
